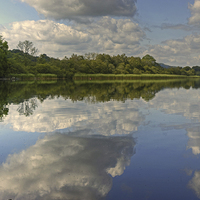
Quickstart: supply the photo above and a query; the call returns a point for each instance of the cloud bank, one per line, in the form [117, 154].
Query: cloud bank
[195, 13]
[99, 32]
[106, 35]
[181, 52]
[77, 9]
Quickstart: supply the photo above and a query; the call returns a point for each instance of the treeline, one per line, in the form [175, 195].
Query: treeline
[23, 61]
[90, 63]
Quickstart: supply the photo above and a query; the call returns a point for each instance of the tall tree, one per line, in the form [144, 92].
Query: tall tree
[3, 57]
[28, 49]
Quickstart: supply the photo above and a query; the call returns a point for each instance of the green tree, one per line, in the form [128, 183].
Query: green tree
[187, 68]
[43, 58]
[28, 49]
[149, 60]
[3, 57]
[135, 62]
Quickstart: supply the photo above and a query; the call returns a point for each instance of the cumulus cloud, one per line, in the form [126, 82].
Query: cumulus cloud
[77, 9]
[195, 13]
[64, 167]
[106, 119]
[107, 35]
[45, 34]
[181, 52]
[121, 31]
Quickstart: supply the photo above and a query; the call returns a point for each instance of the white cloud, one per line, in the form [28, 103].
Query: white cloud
[107, 35]
[78, 9]
[195, 13]
[63, 167]
[181, 52]
[45, 34]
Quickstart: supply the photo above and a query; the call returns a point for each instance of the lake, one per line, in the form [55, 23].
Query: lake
[100, 140]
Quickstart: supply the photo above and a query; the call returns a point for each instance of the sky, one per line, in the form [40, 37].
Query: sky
[167, 30]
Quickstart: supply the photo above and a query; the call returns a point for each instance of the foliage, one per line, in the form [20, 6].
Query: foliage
[24, 93]
[46, 75]
[23, 61]
[27, 47]
[3, 57]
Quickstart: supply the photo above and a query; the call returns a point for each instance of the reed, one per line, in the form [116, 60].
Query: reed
[128, 76]
[32, 76]
[46, 76]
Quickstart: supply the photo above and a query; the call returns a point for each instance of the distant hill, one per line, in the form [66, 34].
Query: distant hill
[165, 66]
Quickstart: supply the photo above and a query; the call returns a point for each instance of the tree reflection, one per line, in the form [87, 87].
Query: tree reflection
[27, 107]
[3, 100]
[23, 93]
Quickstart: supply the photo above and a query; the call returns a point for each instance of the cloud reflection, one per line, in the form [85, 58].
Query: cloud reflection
[107, 118]
[194, 139]
[179, 101]
[64, 167]
[195, 183]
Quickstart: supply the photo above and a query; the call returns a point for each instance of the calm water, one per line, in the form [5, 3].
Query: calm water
[88, 141]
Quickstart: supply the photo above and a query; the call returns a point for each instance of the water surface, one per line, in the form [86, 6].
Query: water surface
[100, 140]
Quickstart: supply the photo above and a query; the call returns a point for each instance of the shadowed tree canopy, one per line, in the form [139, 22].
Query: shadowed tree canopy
[3, 57]
[149, 60]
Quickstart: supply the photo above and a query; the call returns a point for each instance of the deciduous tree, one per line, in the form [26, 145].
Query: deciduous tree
[3, 57]
[28, 48]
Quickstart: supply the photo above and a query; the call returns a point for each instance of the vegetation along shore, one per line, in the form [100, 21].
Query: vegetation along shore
[22, 64]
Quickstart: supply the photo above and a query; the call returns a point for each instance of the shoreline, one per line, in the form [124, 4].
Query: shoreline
[89, 77]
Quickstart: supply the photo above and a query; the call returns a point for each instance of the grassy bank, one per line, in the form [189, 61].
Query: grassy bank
[30, 82]
[128, 76]
[32, 76]
[131, 81]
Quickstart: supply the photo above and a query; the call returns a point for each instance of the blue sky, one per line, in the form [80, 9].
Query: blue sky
[168, 30]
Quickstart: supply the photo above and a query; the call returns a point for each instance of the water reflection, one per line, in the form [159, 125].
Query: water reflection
[27, 107]
[108, 118]
[179, 101]
[195, 183]
[194, 139]
[194, 144]
[31, 108]
[64, 167]
[85, 150]
[184, 103]
[18, 92]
